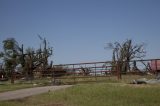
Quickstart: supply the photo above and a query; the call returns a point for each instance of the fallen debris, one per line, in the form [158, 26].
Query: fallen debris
[139, 81]
[153, 81]
[145, 81]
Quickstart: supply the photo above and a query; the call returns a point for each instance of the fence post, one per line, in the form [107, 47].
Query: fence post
[95, 72]
[74, 71]
[156, 64]
[156, 68]
[53, 77]
[118, 71]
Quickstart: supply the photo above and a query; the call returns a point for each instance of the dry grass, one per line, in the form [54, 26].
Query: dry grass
[96, 94]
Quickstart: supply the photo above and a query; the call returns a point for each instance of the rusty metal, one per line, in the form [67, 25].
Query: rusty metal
[75, 72]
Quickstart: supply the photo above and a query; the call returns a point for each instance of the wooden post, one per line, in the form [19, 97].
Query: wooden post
[118, 71]
[12, 76]
[53, 76]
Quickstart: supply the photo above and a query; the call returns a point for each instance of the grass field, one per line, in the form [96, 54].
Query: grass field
[20, 84]
[107, 79]
[11, 87]
[95, 94]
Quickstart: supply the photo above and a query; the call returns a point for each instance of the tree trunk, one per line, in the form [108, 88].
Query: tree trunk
[12, 77]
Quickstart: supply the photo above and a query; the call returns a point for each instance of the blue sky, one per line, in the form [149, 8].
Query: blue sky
[78, 30]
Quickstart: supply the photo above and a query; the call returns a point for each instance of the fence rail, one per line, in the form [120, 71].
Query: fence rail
[96, 71]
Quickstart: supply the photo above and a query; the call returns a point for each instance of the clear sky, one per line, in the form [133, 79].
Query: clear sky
[79, 29]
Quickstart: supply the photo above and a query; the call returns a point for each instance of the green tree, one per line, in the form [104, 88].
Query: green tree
[29, 59]
[10, 51]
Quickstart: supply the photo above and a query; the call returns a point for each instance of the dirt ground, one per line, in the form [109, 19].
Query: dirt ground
[17, 94]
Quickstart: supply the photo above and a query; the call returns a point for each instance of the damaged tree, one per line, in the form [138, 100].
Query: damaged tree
[31, 59]
[125, 52]
[37, 59]
[11, 50]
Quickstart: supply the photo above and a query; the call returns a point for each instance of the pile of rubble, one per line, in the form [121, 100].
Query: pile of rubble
[146, 81]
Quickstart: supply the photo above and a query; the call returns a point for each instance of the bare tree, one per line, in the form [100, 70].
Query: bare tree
[37, 59]
[44, 53]
[125, 52]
